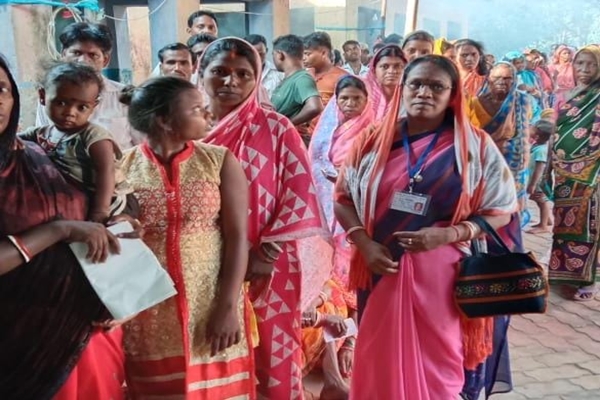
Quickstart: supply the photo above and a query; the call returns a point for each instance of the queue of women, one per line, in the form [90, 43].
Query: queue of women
[273, 246]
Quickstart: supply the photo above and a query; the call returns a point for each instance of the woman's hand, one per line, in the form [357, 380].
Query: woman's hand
[223, 329]
[111, 324]
[309, 318]
[100, 241]
[257, 268]
[378, 258]
[335, 325]
[99, 216]
[425, 239]
[345, 361]
[138, 229]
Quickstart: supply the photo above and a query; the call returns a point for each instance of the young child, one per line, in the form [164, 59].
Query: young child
[84, 152]
[542, 130]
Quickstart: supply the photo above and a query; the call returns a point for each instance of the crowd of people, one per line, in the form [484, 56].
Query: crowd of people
[290, 197]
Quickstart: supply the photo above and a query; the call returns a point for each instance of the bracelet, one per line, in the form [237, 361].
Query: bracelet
[352, 230]
[476, 229]
[323, 297]
[319, 319]
[349, 348]
[21, 248]
[470, 228]
[473, 229]
[275, 246]
[455, 229]
[269, 255]
[262, 256]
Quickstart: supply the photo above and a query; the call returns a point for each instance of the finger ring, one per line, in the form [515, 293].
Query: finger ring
[410, 241]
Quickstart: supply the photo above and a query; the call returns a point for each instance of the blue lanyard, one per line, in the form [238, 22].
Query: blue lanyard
[414, 172]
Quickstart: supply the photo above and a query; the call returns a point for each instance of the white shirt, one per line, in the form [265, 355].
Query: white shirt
[271, 78]
[110, 113]
[363, 69]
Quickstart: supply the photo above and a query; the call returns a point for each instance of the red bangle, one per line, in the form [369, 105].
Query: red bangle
[21, 248]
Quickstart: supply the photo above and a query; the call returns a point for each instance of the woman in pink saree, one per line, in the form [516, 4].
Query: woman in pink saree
[287, 232]
[561, 69]
[344, 118]
[405, 196]
[340, 124]
[385, 71]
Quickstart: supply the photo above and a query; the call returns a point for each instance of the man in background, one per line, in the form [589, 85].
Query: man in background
[297, 96]
[199, 42]
[352, 55]
[91, 44]
[317, 60]
[176, 60]
[198, 22]
[271, 78]
[202, 21]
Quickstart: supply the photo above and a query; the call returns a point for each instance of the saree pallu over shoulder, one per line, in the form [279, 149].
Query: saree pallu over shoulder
[48, 300]
[509, 128]
[283, 203]
[472, 83]
[377, 100]
[577, 141]
[283, 208]
[485, 190]
[329, 146]
[576, 163]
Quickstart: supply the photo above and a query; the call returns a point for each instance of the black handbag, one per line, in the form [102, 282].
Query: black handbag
[505, 284]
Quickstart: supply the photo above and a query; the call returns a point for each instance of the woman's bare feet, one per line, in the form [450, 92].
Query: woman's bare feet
[537, 229]
[586, 293]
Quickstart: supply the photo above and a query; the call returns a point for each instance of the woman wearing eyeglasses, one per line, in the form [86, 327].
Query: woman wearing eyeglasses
[404, 197]
[505, 114]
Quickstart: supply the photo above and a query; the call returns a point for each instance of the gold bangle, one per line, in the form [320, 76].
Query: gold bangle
[470, 231]
[455, 229]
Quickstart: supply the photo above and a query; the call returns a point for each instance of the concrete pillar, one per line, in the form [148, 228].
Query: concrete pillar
[112, 70]
[23, 42]
[273, 19]
[122, 52]
[169, 23]
[412, 11]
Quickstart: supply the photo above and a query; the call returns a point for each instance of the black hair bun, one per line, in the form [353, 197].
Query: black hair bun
[127, 94]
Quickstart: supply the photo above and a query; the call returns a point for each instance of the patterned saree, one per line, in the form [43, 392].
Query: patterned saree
[576, 164]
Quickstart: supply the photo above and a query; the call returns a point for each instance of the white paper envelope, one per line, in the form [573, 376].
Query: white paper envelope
[130, 282]
[351, 331]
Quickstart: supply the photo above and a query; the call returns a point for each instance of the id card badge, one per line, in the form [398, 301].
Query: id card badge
[411, 202]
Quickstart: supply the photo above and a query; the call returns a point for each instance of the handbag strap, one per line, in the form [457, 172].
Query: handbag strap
[487, 229]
